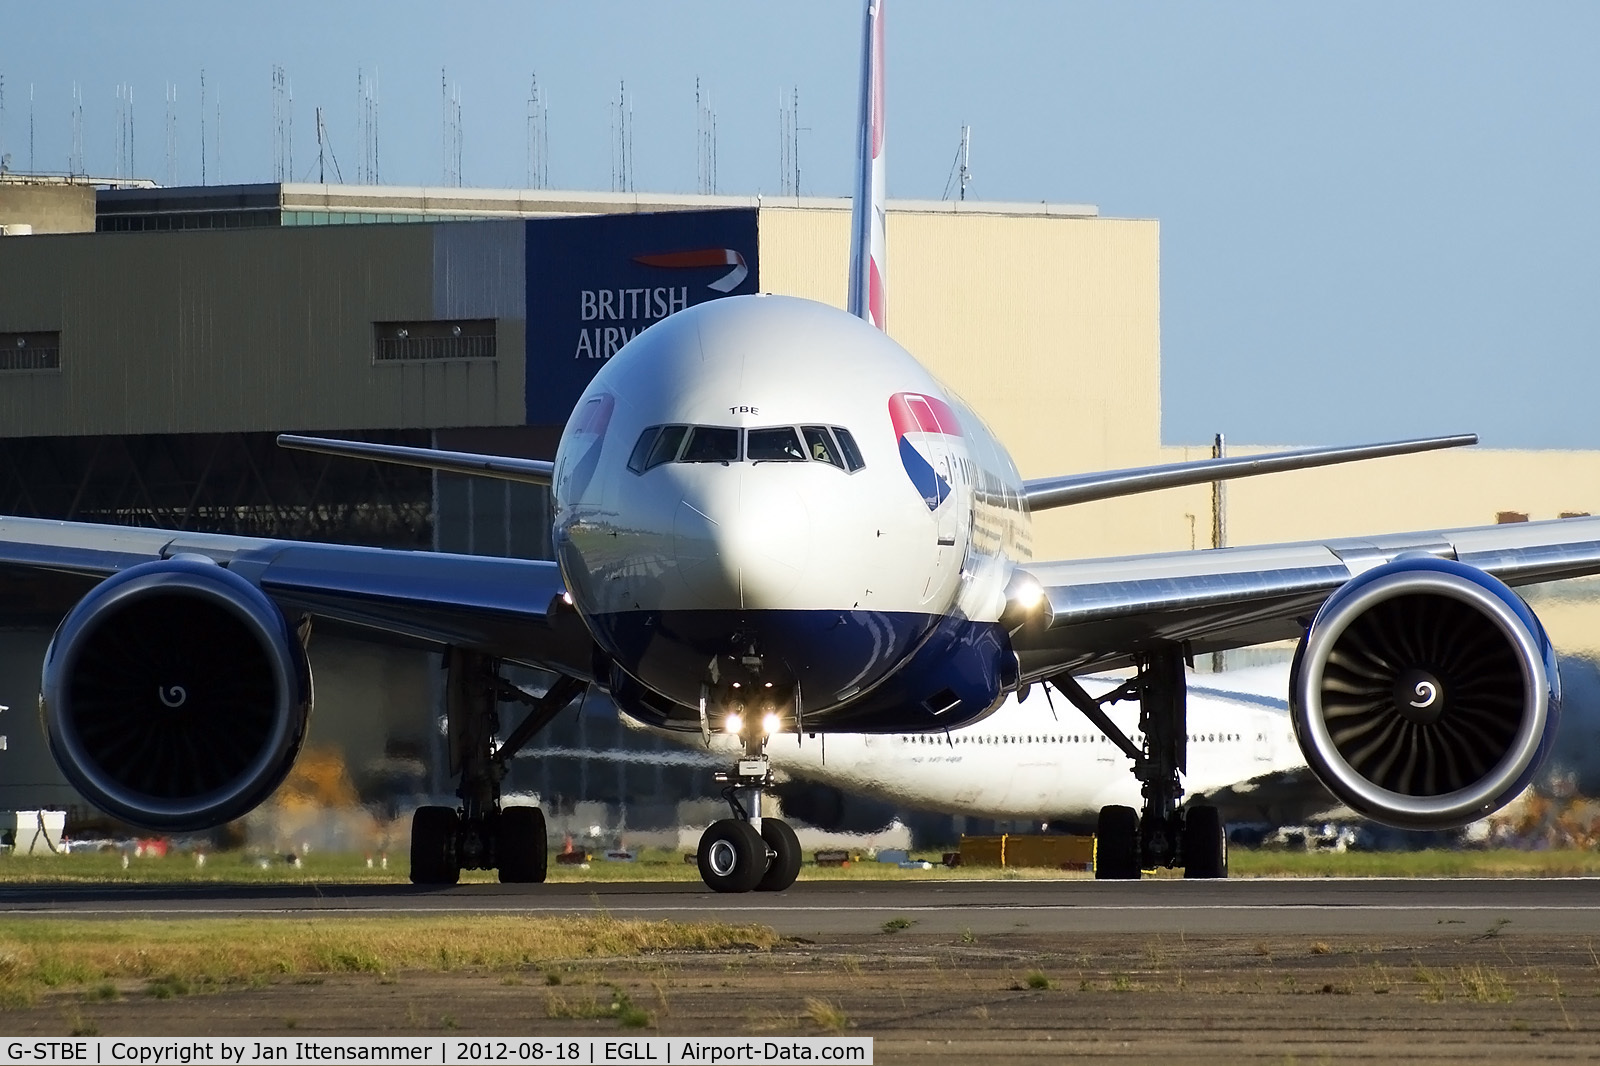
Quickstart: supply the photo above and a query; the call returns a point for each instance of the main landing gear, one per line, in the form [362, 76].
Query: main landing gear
[747, 852]
[480, 834]
[1162, 834]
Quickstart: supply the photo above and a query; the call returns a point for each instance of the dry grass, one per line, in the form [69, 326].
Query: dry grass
[175, 957]
[826, 1015]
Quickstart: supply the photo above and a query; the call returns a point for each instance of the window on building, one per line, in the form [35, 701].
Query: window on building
[426, 342]
[38, 350]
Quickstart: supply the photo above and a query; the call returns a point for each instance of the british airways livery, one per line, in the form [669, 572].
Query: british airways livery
[769, 518]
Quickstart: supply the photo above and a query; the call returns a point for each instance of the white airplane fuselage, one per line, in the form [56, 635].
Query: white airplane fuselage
[765, 504]
[1034, 759]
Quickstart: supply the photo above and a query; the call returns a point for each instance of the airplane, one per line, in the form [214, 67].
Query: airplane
[768, 512]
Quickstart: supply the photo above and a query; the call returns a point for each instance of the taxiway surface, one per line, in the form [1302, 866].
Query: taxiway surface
[812, 908]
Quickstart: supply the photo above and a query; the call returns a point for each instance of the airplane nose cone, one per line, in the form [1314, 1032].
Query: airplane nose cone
[743, 542]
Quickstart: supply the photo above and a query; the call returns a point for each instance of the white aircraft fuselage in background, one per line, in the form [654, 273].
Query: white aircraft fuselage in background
[1038, 758]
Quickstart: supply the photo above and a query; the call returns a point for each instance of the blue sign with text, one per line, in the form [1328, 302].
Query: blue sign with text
[595, 282]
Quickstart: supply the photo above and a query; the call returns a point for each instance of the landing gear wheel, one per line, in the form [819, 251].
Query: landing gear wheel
[786, 855]
[522, 847]
[1116, 845]
[733, 857]
[1205, 843]
[433, 846]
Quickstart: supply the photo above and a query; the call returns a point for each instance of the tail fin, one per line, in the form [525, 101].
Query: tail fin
[868, 246]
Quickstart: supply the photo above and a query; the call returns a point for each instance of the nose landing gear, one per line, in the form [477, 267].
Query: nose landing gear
[747, 852]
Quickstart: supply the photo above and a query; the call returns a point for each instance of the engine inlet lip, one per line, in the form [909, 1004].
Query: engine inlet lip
[1448, 809]
[173, 577]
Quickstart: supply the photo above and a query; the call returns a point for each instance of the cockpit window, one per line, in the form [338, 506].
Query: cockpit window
[722, 444]
[779, 445]
[712, 444]
[852, 454]
[820, 445]
[638, 462]
[666, 446]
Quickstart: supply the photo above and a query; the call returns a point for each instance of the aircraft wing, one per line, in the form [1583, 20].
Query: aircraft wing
[1100, 613]
[509, 608]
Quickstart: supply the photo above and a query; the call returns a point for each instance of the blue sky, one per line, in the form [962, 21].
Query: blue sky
[1378, 220]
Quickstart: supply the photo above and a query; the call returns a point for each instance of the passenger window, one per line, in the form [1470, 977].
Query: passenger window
[711, 444]
[638, 462]
[821, 447]
[780, 445]
[666, 446]
[847, 445]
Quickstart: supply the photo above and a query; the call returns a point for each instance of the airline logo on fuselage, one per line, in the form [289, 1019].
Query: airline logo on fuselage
[925, 427]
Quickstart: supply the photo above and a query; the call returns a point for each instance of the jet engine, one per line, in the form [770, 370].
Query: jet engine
[1425, 693]
[175, 695]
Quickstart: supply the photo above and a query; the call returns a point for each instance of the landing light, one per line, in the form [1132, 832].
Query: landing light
[771, 723]
[566, 597]
[733, 724]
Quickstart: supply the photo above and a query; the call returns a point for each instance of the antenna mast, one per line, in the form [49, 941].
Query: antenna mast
[622, 141]
[960, 174]
[172, 134]
[75, 160]
[538, 137]
[705, 140]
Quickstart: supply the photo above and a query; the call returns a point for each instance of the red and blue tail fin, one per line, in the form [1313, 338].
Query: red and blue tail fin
[867, 240]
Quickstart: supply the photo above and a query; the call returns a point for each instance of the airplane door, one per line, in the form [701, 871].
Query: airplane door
[947, 524]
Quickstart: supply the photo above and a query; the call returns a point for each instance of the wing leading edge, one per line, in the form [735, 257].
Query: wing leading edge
[509, 608]
[1101, 613]
[1062, 491]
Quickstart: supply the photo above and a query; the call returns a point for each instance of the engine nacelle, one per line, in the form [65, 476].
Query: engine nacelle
[175, 695]
[1425, 694]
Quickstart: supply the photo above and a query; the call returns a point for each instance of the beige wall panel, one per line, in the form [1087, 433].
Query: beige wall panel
[1458, 487]
[47, 207]
[236, 331]
[1048, 327]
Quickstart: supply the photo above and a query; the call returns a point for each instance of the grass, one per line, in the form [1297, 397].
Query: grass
[173, 958]
[662, 864]
[1436, 862]
[826, 1015]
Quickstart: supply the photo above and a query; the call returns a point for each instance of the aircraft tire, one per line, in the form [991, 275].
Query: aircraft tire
[1116, 844]
[523, 848]
[732, 856]
[433, 846]
[1205, 843]
[784, 866]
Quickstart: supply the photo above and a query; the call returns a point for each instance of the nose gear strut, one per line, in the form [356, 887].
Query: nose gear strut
[748, 852]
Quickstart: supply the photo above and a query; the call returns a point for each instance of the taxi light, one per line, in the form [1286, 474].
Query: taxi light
[733, 724]
[771, 723]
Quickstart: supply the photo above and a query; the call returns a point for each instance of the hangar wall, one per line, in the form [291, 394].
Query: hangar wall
[195, 332]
